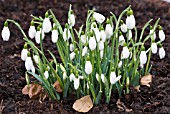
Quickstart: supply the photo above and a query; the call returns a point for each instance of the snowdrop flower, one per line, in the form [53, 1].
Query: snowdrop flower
[97, 34]
[5, 32]
[83, 39]
[143, 57]
[103, 78]
[64, 76]
[54, 35]
[33, 69]
[46, 23]
[103, 35]
[71, 47]
[76, 83]
[125, 52]
[32, 30]
[46, 74]
[88, 67]
[72, 55]
[66, 34]
[161, 34]
[97, 77]
[120, 64]
[24, 52]
[28, 62]
[72, 77]
[113, 78]
[92, 43]
[151, 31]
[161, 53]
[123, 28]
[71, 19]
[101, 45]
[130, 20]
[154, 48]
[93, 25]
[36, 58]
[101, 54]
[98, 17]
[38, 35]
[108, 30]
[84, 51]
[129, 34]
[121, 40]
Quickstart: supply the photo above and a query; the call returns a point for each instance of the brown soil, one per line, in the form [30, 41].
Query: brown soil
[12, 79]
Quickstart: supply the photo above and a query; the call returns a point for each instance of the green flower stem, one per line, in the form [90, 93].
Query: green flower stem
[41, 46]
[147, 65]
[109, 94]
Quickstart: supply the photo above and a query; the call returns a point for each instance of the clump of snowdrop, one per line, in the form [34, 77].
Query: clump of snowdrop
[99, 58]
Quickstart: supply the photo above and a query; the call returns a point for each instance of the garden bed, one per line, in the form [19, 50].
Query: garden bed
[150, 100]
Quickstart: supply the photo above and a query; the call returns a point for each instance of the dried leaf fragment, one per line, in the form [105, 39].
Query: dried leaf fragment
[121, 106]
[83, 104]
[35, 90]
[25, 90]
[146, 80]
[57, 86]
[137, 88]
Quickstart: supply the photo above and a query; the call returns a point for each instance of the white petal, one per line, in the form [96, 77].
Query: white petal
[129, 34]
[72, 55]
[76, 83]
[154, 48]
[108, 30]
[71, 20]
[112, 77]
[47, 25]
[103, 78]
[88, 67]
[84, 51]
[161, 35]
[87, 86]
[33, 69]
[143, 57]
[93, 25]
[5, 33]
[121, 40]
[99, 17]
[154, 34]
[46, 74]
[83, 39]
[97, 34]
[123, 28]
[24, 54]
[101, 54]
[101, 45]
[72, 77]
[130, 22]
[66, 34]
[54, 36]
[28, 64]
[161, 53]
[36, 58]
[120, 64]
[103, 35]
[125, 53]
[64, 76]
[92, 43]
[37, 36]
[32, 32]
[97, 76]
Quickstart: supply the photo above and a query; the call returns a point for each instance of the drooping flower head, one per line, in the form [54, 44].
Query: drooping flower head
[113, 78]
[123, 27]
[39, 34]
[108, 29]
[98, 17]
[121, 39]
[154, 48]
[54, 35]
[143, 56]
[161, 52]
[5, 32]
[28, 62]
[66, 33]
[24, 52]
[46, 23]
[92, 43]
[161, 33]
[125, 52]
[153, 37]
[130, 20]
[71, 19]
[88, 66]
[32, 30]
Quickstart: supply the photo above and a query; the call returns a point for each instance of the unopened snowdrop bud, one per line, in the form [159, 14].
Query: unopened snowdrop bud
[130, 20]
[154, 48]
[101, 45]
[108, 30]
[103, 35]
[98, 17]
[71, 47]
[76, 83]
[161, 52]
[32, 30]
[38, 35]
[121, 39]
[88, 67]
[92, 43]
[46, 23]
[28, 62]
[161, 34]
[123, 27]
[113, 78]
[72, 77]
[5, 32]
[64, 76]
[84, 51]
[54, 35]
[46, 74]
[72, 55]
[33, 69]
[120, 64]
[103, 78]
[87, 86]
[66, 34]
[151, 31]
[36, 58]
[24, 53]
[101, 54]
[125, 52]
[71, 19]
[143, 57]
[83, 39]
[129, 34]
[97, 34]
[97, 77]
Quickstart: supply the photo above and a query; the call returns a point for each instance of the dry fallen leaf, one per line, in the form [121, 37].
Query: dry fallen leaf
[25, 90]
[57, 86]
[121, 106]
[145, 80]
[34, 90]
[137, 88]
[83, 104]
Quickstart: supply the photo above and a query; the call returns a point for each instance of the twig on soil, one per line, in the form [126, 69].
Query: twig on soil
[1, 107]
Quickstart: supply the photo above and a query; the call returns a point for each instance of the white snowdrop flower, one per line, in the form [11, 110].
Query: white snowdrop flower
[101, 54]
[38, 36]
[154, 48]
[36, 58]
[93, 25]
[143, 57]
[72, 77]
[97, 76]
[28, 63]
[125, 52]
[130, 20]
[62, 68]
[64, 75]
[76, 83]
[24, 54]
[66, 34]
[5, 32]
[129, 34]
[32, 30]
[120, 64]
[98, 17]
[92, 43]
[108, 30]
[101, 45]
[72, 55]
[123, 28]
[84, 51]
[46, 24]
[33, 69]
[113, 78]
[161, 53]
[103, 35]
[46, 74]
[83, 39]
[71, 20]
[71, 47]
[103, 78]
[54, 36]
[154, 34]
[87, 86]
[97, 34]
[121, 40]
[161, 35]
[88, 67]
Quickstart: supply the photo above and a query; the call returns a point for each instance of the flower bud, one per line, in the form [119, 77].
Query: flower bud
[32, 30]
[154, 48]
[123, 28]
[84, 51]
[101, 45]
[54, 36]
[120, 64]
[103, 35]
[125, 52]
[47, 25]
[24, 54]
[36, 58]
[72, 55]
[161, 53]
[113, 78]
[121, 40]
[92, 43]
[5, 32]
[28, 63]
[72, 77]
[161, 35]
[76, 83]
[130, 21]
[88, 67]
[71, 20]
[108, 30]
[143, 57]
[38, 36]
[46, 74]
[66, 34]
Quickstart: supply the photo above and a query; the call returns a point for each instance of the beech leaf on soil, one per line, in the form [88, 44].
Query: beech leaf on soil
[146, 80]
[57, 86]
[121, 106]
[83, 104]
[25, 90]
